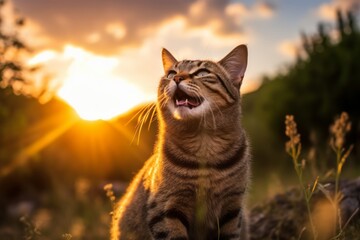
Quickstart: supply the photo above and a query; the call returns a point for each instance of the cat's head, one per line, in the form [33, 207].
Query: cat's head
[193, 89]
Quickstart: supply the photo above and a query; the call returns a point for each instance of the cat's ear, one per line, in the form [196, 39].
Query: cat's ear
[235, 64]
[167, 59]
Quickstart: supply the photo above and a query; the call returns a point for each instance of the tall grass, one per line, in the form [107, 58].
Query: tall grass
[293, 148]
[338, 131]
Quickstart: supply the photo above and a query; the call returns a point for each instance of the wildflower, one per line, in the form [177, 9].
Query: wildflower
[293, 148]
[293, 145]
[110, 193]
[338, 130]
[66, 236]
[31, 231]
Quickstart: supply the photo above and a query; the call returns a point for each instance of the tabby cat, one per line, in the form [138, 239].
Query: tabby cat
[193, 186]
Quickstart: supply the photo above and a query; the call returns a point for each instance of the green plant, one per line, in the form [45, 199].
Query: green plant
[338, 131]
[31, 231]
[108, 188]
[293, 148]
[66, 236]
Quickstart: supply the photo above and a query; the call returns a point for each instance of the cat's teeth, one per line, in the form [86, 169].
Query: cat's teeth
[186, 102]
[177, 102]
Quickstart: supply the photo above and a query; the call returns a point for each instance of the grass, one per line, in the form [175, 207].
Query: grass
[293, 148]
[334, 228]
[338, 130]
[79, 209]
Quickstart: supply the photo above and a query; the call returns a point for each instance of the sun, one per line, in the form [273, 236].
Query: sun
[94, 97]
[90, 84]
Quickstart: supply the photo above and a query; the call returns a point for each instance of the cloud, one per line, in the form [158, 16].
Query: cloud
[227, 18]
[108, 26]
[264, 10]
[134, 33]
[204, 13]
[142, 64]
[88, 82]
[71, 21]
[33, 35]
[8, 17]
[289, 48]
[236, 10]
[116, 29]
[260, 10]
[93, 37]
[30, 32]
[328, 10]
[137, 68]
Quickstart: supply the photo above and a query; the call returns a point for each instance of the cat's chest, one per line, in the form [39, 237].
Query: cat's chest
[208, 147]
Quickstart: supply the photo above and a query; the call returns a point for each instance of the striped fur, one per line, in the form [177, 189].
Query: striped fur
[193, 186]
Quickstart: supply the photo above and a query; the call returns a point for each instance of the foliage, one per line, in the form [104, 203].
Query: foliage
[333, 226]
[284, 217]
[11, 48]
[19, 108]
[293, 148]
[13, 118]
[322, 82]
[338, 130]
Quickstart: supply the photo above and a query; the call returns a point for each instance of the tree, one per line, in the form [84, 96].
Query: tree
[14, 109]
[320, 84]
[11, 47]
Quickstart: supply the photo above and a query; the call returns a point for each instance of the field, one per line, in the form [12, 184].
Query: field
[60, 174]
[59, 193]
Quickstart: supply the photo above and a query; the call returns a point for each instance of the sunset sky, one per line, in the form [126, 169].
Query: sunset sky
[110, 49]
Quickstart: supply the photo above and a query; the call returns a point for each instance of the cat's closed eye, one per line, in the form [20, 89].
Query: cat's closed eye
[202, 73]
[171, 74]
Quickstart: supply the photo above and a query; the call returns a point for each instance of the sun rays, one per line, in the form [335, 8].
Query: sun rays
[90, 83]
[94, 143]
[48, 131]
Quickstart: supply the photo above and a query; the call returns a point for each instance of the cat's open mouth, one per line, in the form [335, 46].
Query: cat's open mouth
[181, 99]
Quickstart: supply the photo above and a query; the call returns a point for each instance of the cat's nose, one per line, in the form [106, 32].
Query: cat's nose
[180, 77]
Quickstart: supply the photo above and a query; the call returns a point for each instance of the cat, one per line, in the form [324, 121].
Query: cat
[194, 185]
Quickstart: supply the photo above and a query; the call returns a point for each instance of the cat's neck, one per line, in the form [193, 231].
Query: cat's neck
[199, 139]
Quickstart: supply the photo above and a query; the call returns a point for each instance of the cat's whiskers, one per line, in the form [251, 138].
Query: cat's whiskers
[164, 97]
[203, 115]
[151, 111]
[212, 112]
[138, 114]
[143, 115]
[141, 120]
[199, 95]
[218, 108]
